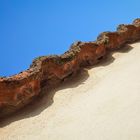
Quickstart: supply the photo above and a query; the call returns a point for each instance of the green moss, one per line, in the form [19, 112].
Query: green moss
[39, 58]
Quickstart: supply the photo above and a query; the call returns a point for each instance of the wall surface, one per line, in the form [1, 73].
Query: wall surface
[101, 103]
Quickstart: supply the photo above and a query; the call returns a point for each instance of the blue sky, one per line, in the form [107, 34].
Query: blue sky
[31, 28]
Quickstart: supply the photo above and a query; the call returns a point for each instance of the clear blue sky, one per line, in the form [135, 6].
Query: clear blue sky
[31, 28]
